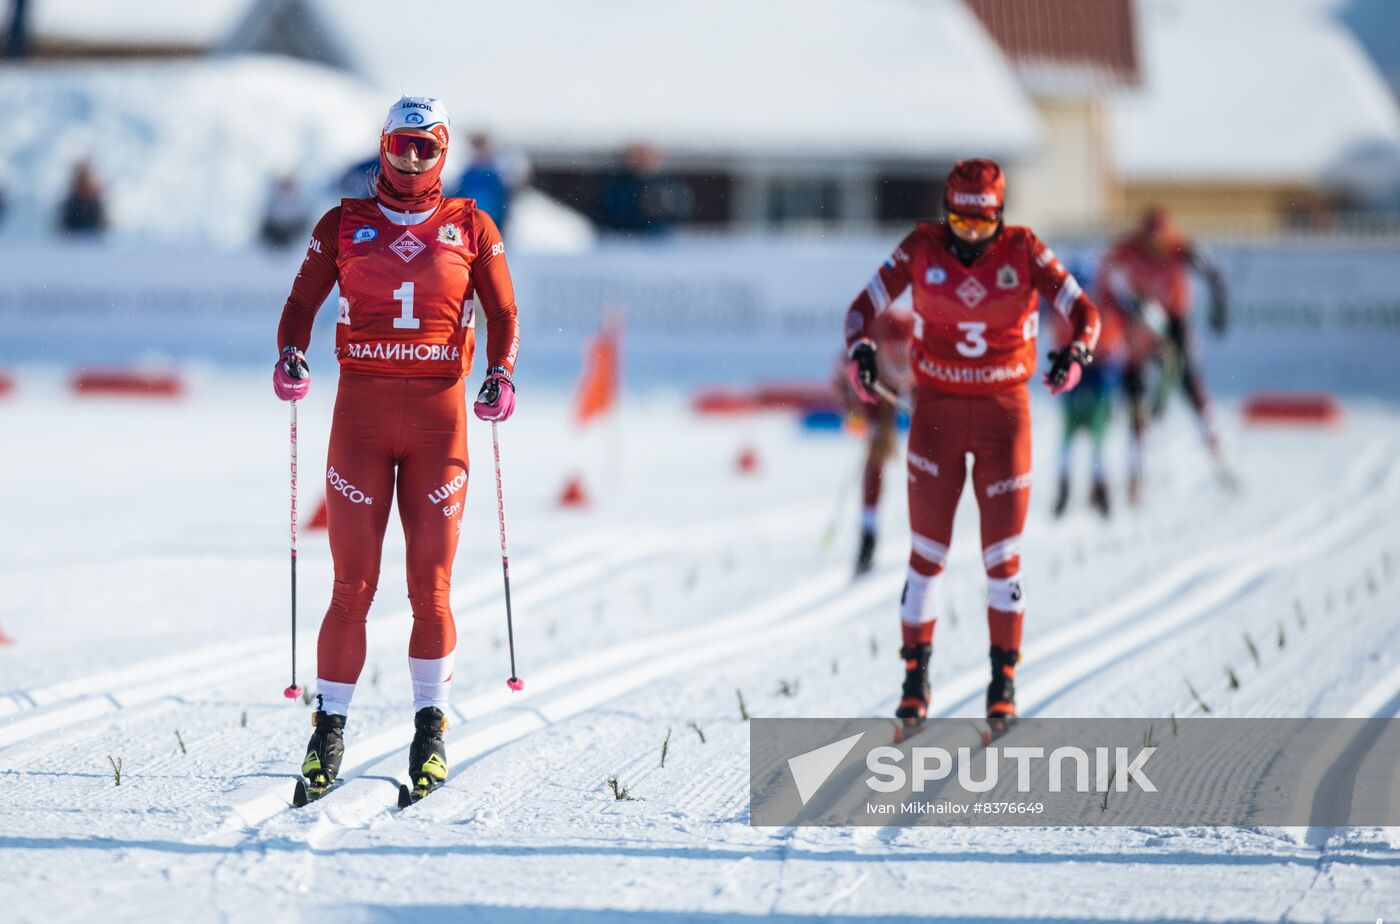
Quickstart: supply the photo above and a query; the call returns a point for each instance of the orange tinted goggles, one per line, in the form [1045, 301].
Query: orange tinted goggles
[400, 143]
[972, 224]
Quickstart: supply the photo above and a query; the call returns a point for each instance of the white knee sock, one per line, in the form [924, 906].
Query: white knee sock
[1006, 594]
[332, 697]
[920, 602]
[432, 680]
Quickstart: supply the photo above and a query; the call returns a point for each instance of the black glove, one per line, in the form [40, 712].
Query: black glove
[864, 369]
[1061, 359]
[490, 391]
[294, 364]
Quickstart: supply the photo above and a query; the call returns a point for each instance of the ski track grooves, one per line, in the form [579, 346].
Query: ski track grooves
[498, 717]
[1193, 589]
[1211, 578]
[124, 689]
[555, 572]
[1190, 590]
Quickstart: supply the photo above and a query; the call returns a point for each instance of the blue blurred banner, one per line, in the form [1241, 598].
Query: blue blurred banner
[1305, 315]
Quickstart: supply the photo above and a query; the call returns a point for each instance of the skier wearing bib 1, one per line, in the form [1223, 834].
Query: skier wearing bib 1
[975, 286]
[408, 263]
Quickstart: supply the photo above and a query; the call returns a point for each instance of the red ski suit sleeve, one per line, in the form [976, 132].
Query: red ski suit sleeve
[496, 294]
[1062, 291]
[312, 284]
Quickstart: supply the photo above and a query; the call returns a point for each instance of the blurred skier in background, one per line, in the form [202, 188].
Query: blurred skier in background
[1089, 408]
[880, 421]
[408, 262]
[975, 286]
[1146, 278]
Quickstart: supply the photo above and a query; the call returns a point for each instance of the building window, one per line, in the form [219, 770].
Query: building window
[689, 198]
[803, 200]
[903, 199]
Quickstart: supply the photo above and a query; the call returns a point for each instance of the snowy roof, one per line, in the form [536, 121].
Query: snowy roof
[1256, 90]
[908, 79]
[200, 24]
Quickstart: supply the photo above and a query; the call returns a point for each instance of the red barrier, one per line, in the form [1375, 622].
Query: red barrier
[1293, 408]
[7, 384]
[780, 396]
[127, 383]
[723, 401]
[800, 396]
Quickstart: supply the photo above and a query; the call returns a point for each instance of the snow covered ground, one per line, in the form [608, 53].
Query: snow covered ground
[143, 565]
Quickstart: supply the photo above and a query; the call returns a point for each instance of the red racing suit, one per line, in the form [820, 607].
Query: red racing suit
[405, 336]
[973, 350]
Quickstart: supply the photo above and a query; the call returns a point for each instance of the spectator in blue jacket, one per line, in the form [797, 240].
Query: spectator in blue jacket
[484, 180]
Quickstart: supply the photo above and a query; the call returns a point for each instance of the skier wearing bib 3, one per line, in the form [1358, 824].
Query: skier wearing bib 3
[975, 285]
[408, 263]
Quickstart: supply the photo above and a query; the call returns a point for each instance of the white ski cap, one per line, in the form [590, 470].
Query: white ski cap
[417, 113]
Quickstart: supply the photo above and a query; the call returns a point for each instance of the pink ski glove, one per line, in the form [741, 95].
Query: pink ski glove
[496, 400]
[861, 371]
[1067, 368]
[291, 378]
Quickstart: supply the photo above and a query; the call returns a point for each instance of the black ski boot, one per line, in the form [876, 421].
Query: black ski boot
[427, 756]
[865, 558]
[1001, 692]
[1061, 498]
[913, 702]
[324, 751]
[1098, 498]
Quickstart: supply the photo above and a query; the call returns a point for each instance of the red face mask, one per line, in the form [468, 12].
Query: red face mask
[409, 192]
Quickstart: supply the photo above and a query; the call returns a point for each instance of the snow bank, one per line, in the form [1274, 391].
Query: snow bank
[186, 149]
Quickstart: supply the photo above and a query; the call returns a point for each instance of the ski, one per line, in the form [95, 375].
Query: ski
[306, 793]
[424, 788]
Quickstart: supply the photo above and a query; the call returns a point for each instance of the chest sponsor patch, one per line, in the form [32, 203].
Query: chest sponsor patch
[935, 276]
[407, 246]
[971, 292]
[1007, 277]
[450, 234]
[364, 233]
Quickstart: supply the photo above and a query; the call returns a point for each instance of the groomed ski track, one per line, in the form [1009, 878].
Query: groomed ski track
[689, 587]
